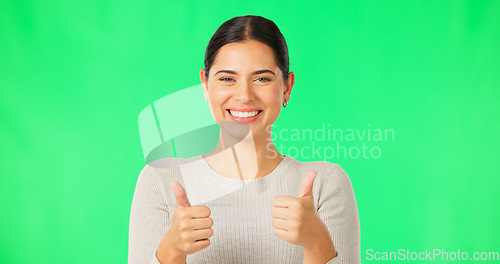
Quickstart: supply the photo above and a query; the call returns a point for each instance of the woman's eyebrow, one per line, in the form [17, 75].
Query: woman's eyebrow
[226, 71]
[255, 72]
[263, 71]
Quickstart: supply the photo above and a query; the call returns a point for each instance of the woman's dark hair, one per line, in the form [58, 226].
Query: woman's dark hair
[249, 27]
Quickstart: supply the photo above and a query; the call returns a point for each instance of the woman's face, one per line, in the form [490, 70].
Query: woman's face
[246, 85]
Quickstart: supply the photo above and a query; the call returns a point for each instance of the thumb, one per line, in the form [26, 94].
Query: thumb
[307, 184]
[180, 194]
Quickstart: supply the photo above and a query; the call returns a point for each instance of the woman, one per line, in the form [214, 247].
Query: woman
[244, 202]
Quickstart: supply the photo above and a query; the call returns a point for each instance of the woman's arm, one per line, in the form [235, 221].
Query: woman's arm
[149, 218]
[338, 210]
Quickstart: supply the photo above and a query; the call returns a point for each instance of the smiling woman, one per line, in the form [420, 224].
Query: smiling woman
[244, 202]
[244, 79]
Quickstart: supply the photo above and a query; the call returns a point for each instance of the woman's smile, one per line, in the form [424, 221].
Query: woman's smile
[245, 115]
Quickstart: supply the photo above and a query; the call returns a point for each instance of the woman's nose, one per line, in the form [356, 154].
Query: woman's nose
[243, 92]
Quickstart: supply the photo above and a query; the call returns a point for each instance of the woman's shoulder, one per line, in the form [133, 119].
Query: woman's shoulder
[172, 162]
[169, 168]
[332, 184]
[323, 168]
[329, 175]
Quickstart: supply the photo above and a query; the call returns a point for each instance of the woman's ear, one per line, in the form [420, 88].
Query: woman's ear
[288, 86]
[204, 83]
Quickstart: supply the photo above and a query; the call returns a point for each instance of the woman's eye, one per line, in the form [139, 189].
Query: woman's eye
[226, 79]
[263, 79]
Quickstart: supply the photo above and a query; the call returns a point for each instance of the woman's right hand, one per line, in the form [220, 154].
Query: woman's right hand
[188, 232]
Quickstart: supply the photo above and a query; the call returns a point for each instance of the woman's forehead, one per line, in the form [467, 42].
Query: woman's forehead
[245, 56]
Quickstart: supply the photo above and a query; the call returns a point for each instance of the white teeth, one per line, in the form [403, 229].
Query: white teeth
[243, 114]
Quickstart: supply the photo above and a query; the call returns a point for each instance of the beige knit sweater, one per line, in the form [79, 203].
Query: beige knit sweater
[241, 211]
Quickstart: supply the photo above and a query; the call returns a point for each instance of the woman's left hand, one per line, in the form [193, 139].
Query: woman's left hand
[296, 220]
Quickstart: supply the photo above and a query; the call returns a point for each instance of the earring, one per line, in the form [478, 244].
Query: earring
[206, 100]
[285, 103]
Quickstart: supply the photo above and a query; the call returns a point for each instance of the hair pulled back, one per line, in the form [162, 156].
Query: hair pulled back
[249, 27]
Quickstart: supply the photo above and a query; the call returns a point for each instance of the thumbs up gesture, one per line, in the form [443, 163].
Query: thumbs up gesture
[295, 219]
[189, 230]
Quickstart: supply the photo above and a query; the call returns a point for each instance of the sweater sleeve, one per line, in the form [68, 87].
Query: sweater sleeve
[338, 210]
[149, 218]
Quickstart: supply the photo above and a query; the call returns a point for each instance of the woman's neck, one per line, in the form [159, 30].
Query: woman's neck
[246, 159]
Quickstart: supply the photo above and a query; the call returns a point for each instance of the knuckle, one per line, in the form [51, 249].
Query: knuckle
[208, 211]
[205, 244]
[184, 236]
[203, 210]
[183, 225]
[183, 213]
[277, 200]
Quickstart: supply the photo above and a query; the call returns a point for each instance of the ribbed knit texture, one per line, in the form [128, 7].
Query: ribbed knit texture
[241, 211]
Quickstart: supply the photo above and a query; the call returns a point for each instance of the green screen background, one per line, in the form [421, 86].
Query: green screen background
[74, 76]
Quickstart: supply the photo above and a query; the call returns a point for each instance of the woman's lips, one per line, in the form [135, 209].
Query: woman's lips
[244, 119]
